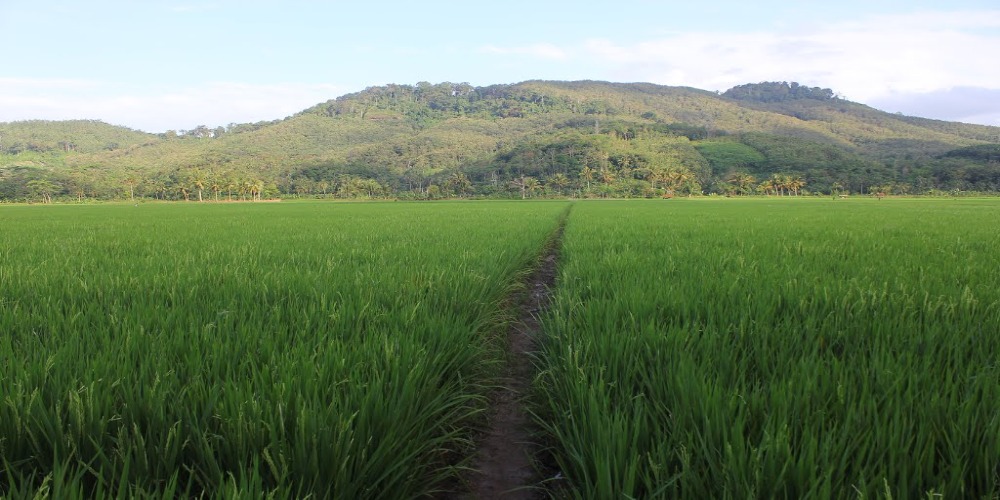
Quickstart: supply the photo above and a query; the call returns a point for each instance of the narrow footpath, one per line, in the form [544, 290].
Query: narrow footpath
[505, 464]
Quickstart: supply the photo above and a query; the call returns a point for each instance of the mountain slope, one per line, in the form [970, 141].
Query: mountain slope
[586, 137]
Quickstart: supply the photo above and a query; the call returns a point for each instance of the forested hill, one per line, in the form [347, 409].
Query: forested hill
[529, 139]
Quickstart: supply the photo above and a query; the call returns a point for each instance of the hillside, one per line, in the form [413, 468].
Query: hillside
[573, 138]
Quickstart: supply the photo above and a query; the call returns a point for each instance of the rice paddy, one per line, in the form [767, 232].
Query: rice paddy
[332, 350]
[768, 349]
[694, 349]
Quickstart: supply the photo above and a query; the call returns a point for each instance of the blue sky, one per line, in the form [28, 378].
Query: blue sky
[155, 65]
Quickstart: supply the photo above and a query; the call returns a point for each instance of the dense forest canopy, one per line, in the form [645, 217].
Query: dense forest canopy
[778, 91]
[536, 138]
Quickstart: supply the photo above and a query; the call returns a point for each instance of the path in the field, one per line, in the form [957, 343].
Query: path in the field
[504, 464]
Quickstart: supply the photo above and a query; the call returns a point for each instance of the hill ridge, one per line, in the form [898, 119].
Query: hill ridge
[454, 139]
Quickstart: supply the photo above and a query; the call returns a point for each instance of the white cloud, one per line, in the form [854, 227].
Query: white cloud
[864, 60]
[156, 110]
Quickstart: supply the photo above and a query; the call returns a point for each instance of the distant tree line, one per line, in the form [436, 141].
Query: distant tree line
[622, 161]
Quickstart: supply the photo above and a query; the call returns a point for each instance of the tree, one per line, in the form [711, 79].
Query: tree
[459, 184]
[587, 175]
[231, 183]
[256, 189]
[43, 188]
[836, 188]
[526, 184]
[777, 184]
[216, 186]
[198, 182]
[531, 185]
[680, 179]
[559, 182]
[743, 182]
[131, 180]
[607, 176]
[795, 184]
[520, 184]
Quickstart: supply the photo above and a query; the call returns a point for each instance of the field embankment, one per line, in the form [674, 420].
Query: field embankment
[506, 463]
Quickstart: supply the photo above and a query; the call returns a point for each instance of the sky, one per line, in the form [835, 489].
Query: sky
[157, 65]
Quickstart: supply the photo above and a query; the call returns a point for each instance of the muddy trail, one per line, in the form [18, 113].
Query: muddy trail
[505, 465]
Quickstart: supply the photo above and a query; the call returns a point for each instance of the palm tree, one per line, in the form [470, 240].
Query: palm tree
[835, 189]
[743, 182]
[531, 184]
[244, 188]
[677, 178]
[559, 181]
[216, 186]
[795, 184]
[587, 175]
[777, 182]
[231, 183]
[131, 180]
[655, 175]
[198, 181]
[257, 189]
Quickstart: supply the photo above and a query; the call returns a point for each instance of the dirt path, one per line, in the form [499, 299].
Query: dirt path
[505, 462]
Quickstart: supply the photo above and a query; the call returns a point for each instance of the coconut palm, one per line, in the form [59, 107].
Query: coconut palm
[743, 182]
[795, 184]
[778, 183]
[216, 187]
[559, 182]
[531, 185]
[587, 175]
[198, 182]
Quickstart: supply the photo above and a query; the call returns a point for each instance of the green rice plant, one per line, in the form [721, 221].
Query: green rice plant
[776, 348]
[252, 350]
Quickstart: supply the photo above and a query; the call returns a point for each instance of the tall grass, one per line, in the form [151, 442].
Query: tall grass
[794, 349]
[251, 350]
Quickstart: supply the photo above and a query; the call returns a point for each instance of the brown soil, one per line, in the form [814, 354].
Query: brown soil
[505, 465]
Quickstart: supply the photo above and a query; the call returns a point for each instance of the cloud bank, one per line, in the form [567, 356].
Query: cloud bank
[935, 64]
[156, 109]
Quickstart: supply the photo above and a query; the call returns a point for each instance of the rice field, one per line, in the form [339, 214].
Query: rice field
[776, 349]
[251, 350]
[694, 349]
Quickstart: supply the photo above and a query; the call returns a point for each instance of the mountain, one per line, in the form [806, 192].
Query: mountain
[576, 138]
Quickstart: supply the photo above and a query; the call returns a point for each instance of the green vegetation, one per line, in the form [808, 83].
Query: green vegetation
[337, 350]
[583, 139]
[695, 348]
[789, 349]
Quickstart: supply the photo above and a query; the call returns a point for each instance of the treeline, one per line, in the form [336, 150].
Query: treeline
[621, 161]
